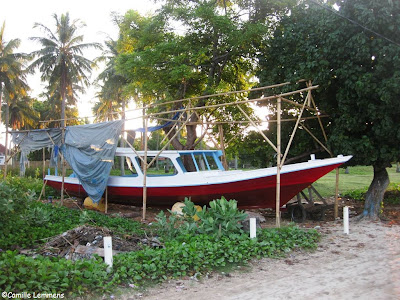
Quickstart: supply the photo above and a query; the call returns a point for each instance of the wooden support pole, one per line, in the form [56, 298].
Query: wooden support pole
[221, 140]
[169, 141]
[317, 140]
[278, 166]
[295, 129]
[44, 169]
[63, 165]
[106, 201]
[145, 170]
[336, 206]
[259, 130]
[43, 190]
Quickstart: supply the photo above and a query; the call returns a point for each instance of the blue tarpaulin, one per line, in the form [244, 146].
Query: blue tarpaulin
[89, 150]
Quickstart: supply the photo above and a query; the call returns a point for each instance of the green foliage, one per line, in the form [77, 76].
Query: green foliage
[190, 254]
[30, 184]
[13, 201]
[51, 275]
[28, 222]
[185, 255]
[195, 248]
[356, 70]
[358, 194]
[221, 218]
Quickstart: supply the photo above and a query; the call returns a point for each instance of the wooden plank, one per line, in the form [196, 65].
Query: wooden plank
[80, 249]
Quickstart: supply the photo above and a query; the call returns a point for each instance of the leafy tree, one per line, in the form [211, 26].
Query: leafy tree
[61, 61]
[352, 54]
[212, 48]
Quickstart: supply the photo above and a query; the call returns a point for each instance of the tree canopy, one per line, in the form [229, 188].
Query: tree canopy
[192, 48]
[353, 54]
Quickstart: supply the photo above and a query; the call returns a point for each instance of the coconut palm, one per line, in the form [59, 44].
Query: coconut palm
[112, 96]
[21, 112]
[61, 60]
[12, 74]
[106, 109]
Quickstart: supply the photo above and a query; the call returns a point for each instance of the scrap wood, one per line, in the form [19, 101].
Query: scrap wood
[93, 250]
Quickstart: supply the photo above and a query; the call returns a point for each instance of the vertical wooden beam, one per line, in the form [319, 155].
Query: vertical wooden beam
[336, 213]
[222, 144]
[106, 200]
[63, 165]
[278, 166]
[145, 170]
[44, 169]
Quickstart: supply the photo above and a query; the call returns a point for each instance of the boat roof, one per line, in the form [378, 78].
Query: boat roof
[122, 151]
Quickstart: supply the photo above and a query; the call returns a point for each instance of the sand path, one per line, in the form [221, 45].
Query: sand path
[362, 265]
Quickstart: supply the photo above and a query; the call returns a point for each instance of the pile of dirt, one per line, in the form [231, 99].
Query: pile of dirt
[85, 241]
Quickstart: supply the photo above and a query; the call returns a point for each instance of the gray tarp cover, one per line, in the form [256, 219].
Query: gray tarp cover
[89, 150]
[35, 140]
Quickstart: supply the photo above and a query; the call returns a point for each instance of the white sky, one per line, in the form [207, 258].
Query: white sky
[20, 15]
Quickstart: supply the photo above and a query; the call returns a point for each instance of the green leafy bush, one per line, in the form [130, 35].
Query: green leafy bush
[51, 275]
[39, 221]
[191, 254]
[356, 194]
[221, 218]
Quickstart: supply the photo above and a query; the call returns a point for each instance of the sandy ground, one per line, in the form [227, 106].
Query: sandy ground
[362, 265]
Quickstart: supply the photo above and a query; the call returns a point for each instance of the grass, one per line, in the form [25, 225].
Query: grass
[359, 178]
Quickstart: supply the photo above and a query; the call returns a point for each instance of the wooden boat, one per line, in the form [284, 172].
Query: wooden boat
[168, 181]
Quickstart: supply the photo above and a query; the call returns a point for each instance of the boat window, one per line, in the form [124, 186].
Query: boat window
[163, 166]
[131, 168]
[211, 162]
[199, 161]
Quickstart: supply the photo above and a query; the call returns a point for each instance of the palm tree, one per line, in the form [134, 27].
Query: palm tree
[22, 115]
[61, 60]
[112, 91]
[12, 75]
[106, 109]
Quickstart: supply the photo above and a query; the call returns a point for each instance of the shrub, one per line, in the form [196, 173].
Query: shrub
[221, 218]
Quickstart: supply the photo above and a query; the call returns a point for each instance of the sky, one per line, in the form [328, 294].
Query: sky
[21, 15]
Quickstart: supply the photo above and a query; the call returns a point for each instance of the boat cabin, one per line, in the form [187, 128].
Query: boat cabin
[166, 163]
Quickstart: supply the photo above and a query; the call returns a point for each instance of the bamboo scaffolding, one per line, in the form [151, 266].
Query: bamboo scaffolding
[295, 128]
[317, 140]
[145, 170]
[278, 166]
[259, 130]
[186, 99]
[221, 140]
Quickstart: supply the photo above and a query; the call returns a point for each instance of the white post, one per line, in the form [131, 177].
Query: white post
[253, 228]
[108, 253]
[346, 220]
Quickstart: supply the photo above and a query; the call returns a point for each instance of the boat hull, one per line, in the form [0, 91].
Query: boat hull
[259, 192]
